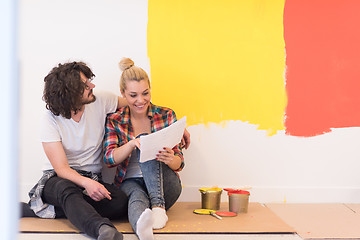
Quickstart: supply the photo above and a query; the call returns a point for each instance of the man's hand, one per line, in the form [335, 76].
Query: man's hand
[185, 141]
[121, 102]
[96, 190]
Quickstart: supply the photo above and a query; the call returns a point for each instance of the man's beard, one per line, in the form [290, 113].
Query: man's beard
[87, 101]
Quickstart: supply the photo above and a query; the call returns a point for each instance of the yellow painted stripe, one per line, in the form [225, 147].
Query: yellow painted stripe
[219, 60]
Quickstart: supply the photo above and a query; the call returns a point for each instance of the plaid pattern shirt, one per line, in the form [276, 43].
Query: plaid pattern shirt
[118, 131]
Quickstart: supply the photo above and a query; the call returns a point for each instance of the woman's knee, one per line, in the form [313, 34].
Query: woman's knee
[138, 195]
[171, 181]
[172, 188]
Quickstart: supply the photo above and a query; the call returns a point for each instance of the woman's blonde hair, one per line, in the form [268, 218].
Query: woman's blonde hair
[131, 73]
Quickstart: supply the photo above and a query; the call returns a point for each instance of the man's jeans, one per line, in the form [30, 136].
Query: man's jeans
[82, 211]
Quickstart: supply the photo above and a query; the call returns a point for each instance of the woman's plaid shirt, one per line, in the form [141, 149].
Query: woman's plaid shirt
[118, 131]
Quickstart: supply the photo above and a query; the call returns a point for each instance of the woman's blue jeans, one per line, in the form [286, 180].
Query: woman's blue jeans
[160, 186]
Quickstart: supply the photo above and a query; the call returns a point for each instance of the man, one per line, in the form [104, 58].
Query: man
[72, 134]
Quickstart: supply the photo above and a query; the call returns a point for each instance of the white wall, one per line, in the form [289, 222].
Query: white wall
[98, 33]
[232, 154]
[8, 121]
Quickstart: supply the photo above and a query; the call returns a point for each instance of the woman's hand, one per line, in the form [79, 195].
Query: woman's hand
[167, 156]
[96, 190]
[122, 153]
[136, 142]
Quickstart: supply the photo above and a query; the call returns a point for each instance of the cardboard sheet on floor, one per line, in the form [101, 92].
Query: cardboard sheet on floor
[259, 219]
[321, 221]
[354, 207]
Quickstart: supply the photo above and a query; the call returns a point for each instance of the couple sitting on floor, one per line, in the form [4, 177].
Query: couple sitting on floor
[72, 136]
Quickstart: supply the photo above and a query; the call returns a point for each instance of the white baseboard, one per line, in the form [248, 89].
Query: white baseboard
[286, 195]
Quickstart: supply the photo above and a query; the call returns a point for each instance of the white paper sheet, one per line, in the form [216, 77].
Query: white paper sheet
[151, 144]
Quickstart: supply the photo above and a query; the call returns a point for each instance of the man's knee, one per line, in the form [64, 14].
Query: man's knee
[62, 188]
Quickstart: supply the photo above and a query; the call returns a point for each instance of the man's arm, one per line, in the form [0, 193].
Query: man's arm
[56, 155]
[121, 102]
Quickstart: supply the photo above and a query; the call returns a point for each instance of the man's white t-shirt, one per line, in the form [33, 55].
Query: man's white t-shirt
[82, 141]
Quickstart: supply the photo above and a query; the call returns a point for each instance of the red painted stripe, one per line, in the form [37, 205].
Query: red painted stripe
[322, 40]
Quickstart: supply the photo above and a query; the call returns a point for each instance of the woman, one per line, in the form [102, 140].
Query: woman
[153, 186]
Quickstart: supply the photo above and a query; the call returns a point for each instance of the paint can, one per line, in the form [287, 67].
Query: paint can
[210, 198]
[238, 200]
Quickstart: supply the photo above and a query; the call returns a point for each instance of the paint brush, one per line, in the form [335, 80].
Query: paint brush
[215, 215]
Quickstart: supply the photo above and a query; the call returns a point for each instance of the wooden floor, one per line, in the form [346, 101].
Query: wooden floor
[259, 219]
[321, 221]
[308, 221]
[59, 236]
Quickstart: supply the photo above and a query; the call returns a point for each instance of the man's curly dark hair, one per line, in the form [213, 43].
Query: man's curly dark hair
[64, 88]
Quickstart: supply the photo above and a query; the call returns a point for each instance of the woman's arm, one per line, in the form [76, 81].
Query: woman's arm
[116, 150]
[174, 157]
[56, 155]
[123, 152]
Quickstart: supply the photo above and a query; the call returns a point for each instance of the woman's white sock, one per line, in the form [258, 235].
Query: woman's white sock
[144, 225]
[160, 217]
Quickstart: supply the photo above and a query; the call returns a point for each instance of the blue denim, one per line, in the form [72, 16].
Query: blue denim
[160, 186]
[153, 178]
